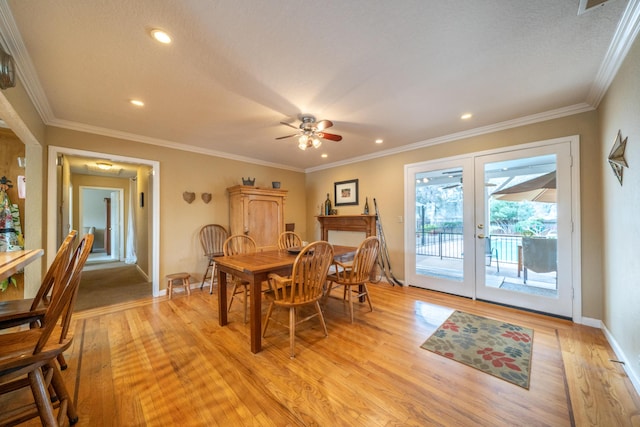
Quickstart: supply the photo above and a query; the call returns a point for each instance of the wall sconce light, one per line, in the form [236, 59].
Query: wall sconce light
[22, 162]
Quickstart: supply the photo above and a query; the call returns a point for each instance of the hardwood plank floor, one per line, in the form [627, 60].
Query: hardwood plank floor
[168, 362]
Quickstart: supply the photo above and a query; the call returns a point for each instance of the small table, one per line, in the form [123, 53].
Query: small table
[254, 268]
[14, 261]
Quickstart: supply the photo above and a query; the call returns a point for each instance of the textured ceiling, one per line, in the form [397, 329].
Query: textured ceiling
[401, 71]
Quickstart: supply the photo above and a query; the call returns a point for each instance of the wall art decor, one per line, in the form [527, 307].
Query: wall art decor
[616, 156]
[188, 196]
[206, 197]
[346, 192]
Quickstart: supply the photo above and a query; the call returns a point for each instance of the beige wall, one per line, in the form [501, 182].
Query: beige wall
[383, 179]
[19, 113]
[620, 111]
[182, 171]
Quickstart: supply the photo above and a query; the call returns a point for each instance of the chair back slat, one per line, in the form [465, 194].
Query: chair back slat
[64, 293]
[56, 269]
[309, 273]
[239, 244]
[364, 259]
[212, 237]
[289, 239]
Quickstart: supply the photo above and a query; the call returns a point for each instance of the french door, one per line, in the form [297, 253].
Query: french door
[494, 226]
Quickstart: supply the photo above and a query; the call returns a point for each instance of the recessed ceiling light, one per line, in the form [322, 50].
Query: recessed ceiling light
[161, 36]
[466, 116]
[378, 141]
[137, 102]
[324, 156]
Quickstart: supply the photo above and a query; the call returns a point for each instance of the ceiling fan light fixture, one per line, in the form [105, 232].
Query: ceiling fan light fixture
[316, 142]
[302, 145]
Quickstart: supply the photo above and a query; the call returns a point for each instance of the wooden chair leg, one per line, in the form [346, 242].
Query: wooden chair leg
[41, 397]
[204, 277]
[350, 301]
[66, 403]
[266, 320]
[366, 293]
[62, 362]
[321, 316]
[170, 288]
[245, 303]
[292, 331]
[233, 294]
[214, 275]
[187, 285]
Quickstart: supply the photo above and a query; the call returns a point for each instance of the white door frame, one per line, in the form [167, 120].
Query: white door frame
[53, 184]
[576, 254]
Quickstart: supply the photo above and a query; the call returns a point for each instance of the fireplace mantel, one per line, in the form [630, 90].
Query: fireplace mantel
[362, 223]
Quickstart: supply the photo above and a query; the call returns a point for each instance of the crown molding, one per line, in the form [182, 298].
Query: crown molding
[26, 71]
[80, 127]
[621, 42]
[496, 127]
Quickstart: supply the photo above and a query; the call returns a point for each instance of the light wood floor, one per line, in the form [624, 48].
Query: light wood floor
[168, 362]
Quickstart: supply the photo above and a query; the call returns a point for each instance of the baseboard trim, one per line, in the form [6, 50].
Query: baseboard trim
[627, 364]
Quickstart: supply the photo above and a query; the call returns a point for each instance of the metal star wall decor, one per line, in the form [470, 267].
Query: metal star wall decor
[616, 156]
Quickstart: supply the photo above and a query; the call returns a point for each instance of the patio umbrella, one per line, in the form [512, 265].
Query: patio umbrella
[539, 189]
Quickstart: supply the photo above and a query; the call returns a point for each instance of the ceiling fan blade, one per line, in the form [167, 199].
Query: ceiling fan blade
[330, 136]
[288, 124]
[288, 136]
[323, 124]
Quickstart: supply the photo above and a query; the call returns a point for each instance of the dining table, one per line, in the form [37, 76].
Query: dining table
[254, 268]
[10, 263]
[14, 261]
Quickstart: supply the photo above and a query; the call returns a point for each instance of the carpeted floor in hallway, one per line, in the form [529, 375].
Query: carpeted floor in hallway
[107, 284]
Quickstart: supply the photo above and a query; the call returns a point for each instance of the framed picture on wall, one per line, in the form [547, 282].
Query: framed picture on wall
[346, 192]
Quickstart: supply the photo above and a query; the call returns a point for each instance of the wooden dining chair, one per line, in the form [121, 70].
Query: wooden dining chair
[354, 275]
[33, 352]
[212, 237]
[234, 245]
[303, 288]
[289, 239]
[18, 312]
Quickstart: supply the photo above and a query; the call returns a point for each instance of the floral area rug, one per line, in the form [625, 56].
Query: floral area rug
[497, 348]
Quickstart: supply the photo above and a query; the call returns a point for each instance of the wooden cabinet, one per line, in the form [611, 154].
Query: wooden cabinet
[257, 212]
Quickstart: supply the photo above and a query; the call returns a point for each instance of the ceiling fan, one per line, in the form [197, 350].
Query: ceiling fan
[309, 132]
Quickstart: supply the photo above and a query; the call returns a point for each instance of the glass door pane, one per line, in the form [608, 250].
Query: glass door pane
[443, 257]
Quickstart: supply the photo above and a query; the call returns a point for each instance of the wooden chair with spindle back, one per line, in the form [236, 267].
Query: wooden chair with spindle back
[304, 287]
[234, 245]
[353, 276]
[212, 237]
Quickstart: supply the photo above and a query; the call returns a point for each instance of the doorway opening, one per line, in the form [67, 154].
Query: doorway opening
[70, 169]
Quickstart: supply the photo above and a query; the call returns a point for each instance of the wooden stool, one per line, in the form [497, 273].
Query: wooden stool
[184, 277]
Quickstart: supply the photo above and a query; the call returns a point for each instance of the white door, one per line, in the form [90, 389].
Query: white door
[523, 229]
[470, 233]
[439, 232]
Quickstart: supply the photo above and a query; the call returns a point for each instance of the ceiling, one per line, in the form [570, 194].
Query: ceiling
[403, 71]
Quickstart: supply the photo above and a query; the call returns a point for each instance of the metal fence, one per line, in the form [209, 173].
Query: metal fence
[451, 245]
